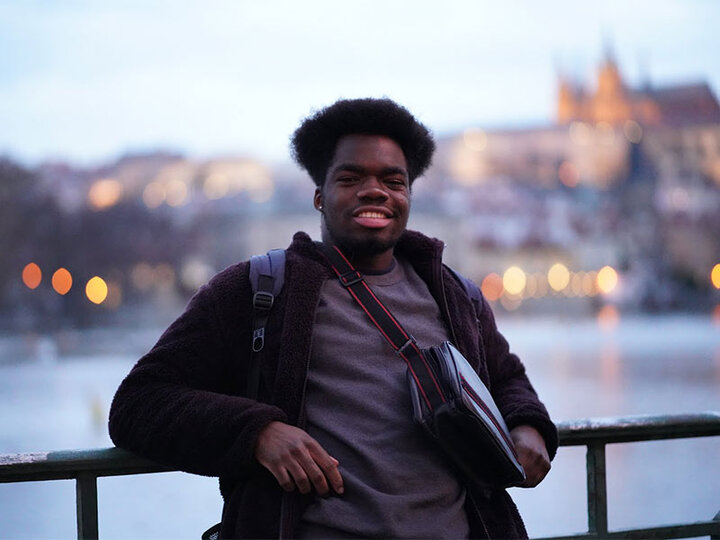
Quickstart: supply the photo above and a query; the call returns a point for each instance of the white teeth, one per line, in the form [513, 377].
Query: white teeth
[371, 215]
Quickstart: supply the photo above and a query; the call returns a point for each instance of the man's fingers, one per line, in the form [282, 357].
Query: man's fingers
[532, 453]
[314, 477]
[283, 478]
[297, 460]
[536, 468]
[332, 473]
[299, 477]
[330, 470]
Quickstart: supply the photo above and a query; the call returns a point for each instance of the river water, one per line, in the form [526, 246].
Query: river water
[57, 399]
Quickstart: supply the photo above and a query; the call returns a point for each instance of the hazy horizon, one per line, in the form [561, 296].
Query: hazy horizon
[85, 82]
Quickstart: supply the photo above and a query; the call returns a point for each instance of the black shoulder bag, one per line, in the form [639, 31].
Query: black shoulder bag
[449, 400]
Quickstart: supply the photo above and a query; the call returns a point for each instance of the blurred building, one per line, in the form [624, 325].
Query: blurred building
[628, 176]
[624, 184]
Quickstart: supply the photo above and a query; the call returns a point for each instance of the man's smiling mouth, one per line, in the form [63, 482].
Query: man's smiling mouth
[374, 215]
[372, 219]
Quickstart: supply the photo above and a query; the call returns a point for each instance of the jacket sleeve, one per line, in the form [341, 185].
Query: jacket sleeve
[510, 387]
[177, 407]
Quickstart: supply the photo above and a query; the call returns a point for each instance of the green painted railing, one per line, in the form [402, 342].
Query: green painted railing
[86, 466]
[595, 434]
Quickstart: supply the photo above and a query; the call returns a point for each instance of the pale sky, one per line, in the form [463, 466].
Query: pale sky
[86, 81]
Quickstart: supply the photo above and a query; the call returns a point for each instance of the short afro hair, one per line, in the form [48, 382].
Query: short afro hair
[313, 143]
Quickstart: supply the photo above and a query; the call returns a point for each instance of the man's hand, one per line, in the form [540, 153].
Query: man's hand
[297, 460]
[532, 454]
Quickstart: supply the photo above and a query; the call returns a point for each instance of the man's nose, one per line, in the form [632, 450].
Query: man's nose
[372, 188]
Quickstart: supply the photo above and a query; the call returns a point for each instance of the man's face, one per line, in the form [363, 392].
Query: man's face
[365, 200]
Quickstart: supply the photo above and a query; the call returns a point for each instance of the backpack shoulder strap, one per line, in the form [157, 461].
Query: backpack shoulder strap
[267, 277]
[472, 290]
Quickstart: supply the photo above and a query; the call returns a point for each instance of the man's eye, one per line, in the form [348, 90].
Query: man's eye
[346, 179]
[395, 182]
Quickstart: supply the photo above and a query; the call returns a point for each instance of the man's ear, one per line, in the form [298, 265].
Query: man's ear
[317, 199]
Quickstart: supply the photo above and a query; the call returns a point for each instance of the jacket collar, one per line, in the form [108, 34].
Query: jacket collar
[414, 246]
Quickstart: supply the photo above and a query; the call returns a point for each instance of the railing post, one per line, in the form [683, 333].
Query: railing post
[87, 507]
[596, 489]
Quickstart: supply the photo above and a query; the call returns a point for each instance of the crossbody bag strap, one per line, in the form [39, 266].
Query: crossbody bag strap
[393, 332]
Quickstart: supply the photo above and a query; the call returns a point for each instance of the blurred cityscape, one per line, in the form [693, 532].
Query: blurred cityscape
[614, 207]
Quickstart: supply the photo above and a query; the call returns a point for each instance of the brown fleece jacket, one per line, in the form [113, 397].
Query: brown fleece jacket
[182, 404]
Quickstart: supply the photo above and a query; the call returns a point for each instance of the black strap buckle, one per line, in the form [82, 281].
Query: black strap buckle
[351, 278]
[263, 300]
[407, 344]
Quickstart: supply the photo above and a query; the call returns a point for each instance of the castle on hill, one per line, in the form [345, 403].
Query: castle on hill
[614, 102]
[626, 175]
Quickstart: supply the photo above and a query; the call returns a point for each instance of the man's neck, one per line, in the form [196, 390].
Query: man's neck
[376, 263]
[384, 271]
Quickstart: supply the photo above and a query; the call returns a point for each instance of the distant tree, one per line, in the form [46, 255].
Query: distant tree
[27, 219]
[88, 242]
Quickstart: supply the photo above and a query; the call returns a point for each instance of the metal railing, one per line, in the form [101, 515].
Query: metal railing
[595, 434]
[86, 466]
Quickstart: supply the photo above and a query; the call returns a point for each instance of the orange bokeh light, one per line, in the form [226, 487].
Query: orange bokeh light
[105, 193]
[514, 280]
[607, 279]
[32, 275]
[492, 287]
[568, 174]
[558, 276]
[96, 290]
[715, 276]
[62, 281]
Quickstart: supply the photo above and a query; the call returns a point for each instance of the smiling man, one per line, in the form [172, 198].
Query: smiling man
[365, 199]
[328, 448]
